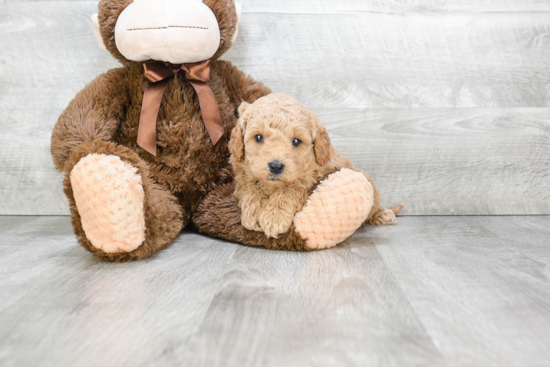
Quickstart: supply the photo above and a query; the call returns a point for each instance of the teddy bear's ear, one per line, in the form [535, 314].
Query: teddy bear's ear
[97, 33]
[239, 9]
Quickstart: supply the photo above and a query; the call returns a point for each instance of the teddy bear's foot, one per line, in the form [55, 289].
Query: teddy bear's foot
[118, 212]
[335, 210]
[110, 199]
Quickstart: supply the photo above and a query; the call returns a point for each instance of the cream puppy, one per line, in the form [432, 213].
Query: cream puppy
[279, 152]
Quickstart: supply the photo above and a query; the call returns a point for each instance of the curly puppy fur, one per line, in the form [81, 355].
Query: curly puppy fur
[270, 200]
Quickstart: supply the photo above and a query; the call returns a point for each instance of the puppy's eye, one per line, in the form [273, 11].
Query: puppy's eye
[259, 139]
[296, 142]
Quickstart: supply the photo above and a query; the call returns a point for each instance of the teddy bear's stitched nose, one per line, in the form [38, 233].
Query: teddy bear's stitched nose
[276, 167]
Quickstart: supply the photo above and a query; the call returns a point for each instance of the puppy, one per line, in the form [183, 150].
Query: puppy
[279, 152]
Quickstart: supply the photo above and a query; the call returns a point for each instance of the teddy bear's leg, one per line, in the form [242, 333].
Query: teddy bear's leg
[219, 215]
[333, 212]
[119, 213]
[336, 209]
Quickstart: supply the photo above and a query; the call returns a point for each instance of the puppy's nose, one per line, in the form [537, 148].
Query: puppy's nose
[276, 167]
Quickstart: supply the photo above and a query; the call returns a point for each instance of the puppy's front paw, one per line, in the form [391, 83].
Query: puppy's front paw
[273, 225]
[250, 222]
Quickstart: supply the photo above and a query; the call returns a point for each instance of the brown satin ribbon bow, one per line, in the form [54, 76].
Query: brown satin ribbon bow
[158, 74]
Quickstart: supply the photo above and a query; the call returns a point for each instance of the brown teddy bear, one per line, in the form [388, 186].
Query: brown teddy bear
[144, 147]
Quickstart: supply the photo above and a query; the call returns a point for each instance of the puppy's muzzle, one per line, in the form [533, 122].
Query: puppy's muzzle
[276, 167]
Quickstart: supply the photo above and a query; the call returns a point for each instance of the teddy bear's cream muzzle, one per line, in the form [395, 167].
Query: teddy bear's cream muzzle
[174, 31]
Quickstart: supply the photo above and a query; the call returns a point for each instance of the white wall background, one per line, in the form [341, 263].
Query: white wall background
[446, 103]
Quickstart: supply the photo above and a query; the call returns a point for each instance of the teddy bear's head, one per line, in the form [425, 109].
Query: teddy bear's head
[174, 31]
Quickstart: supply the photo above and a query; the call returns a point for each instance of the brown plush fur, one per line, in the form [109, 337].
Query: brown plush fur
[187, 182]
[269, 202]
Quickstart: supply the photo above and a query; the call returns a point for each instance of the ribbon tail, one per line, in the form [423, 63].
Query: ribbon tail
[152, 98]
[210, 110]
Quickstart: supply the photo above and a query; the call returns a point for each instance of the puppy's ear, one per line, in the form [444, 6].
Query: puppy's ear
[236, 143]
[322, 146]
[243, 108]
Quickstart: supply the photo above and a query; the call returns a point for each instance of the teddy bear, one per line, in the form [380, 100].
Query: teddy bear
[144, 147]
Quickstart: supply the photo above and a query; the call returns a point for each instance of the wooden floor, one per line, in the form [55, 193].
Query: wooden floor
[431, 291]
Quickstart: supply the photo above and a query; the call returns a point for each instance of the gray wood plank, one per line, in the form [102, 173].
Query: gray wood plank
[373, 60]
[309, 6]
[451, 161]
[430, 291]
[395, 6]
[337, 55]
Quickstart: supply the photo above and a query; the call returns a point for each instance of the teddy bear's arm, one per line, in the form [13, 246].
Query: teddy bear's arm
[241, 87]
[94, 114]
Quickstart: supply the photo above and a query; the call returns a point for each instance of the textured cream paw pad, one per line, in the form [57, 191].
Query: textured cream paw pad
[339, 205]
[110, 200]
